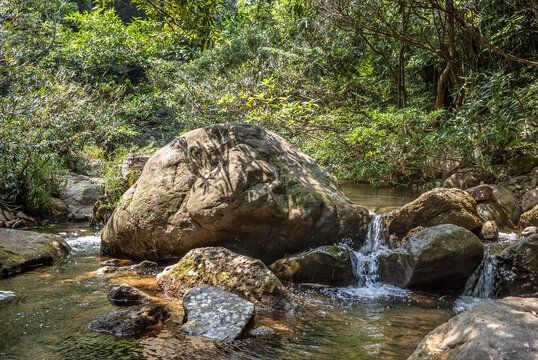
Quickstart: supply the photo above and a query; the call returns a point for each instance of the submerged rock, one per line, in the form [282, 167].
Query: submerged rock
[518, 268]
[506, 329]
[438, 206]
[444, 256]
[529, 218]
[329, 265]
[220, 267]
[127, 295]
[145, 267]
[131, 321]
[262, 331]
[215, 313]
[24, 250]
[232, 185]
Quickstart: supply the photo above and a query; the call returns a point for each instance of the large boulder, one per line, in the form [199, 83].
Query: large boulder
[329, 265]
[131, 321]
[518, 268]
[529, 218]
[463, 179]
[395, 267]
[444, 256]
[215, 313]
[80, 194]
[435, 207]
[244, 276]
[506, 329]
[232, 185]
[24, 250]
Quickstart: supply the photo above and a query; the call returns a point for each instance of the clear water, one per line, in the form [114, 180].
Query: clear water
[49, 314]
[378, 199]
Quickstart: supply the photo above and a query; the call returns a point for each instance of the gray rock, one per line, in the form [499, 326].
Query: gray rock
[462, 179]
[262, 331]
[80, 194]
[24, 250]
[395, 267]
[232, 185]
[215, 313]
[146, 267]
[220, 267]
[127, 295]
[329, 265]
[435, 207]
[518, 268]
[444, 257]
[529, 200]
[130, 321]
[505, 330]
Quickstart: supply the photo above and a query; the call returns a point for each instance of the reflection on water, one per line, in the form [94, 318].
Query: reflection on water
[49, 314]
[381, 199]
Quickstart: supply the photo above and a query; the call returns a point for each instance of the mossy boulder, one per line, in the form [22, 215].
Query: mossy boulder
[518, 268]
[444, 256]
[24, 250]
[219, 267]
[329, 265]
[232, 185]
[435, 207]
[529, 218]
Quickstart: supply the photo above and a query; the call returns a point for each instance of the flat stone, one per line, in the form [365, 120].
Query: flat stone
[131, 321]
[125, 294]
[215, 313]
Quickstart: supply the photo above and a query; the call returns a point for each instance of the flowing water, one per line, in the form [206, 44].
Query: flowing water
[48, 315]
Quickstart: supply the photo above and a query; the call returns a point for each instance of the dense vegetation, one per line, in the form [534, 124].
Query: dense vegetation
[375, 90]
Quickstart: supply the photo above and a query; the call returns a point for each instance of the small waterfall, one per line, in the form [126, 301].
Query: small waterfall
[366, 256]
[481, 284]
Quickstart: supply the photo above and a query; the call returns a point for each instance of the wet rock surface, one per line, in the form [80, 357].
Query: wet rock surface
[130, 321]
[241, 275]
[480, 192]
[435, 207]
[232, 185]
[506, 329]
[395, 267]
[489, 231]
[215, 313]
[24, 250]
[518, 268]
[145, 267]
[127, 295]
[329, 265]
[444, 256]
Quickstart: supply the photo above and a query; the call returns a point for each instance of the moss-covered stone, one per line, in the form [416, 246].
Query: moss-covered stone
[232, 185]
[24, 250]
[216, 266]
[330, 265]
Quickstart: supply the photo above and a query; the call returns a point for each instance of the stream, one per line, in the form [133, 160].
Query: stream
[48, 316]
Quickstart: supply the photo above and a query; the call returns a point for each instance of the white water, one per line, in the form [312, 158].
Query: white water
[365, 265]
[480, 286]
[88, 243]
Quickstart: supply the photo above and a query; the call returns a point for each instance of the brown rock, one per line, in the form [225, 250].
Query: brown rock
[480, 192]
[529, 218]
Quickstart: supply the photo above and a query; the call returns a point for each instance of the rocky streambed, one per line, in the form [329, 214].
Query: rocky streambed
[268, 258]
